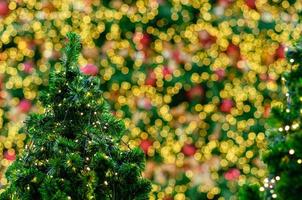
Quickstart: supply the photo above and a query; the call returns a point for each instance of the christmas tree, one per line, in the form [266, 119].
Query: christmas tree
[73, 152]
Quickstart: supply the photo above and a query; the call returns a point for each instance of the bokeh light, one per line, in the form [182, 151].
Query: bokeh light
[193, 80]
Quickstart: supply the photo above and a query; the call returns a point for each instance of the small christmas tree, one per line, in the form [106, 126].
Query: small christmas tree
[73, 152]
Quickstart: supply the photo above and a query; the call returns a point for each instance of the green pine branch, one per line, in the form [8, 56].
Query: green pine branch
[71, 51]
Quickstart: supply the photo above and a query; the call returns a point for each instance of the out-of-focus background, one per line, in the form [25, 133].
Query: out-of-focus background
[192, 79]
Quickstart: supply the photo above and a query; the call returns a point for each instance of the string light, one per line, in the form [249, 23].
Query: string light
[269, 185]
[291, 152]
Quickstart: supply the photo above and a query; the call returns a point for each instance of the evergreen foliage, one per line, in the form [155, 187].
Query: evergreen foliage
[73, 152]
[249, 192]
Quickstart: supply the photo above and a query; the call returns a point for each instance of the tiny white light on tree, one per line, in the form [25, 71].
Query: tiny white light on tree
[287, 127]
[277, 178]
[291, 152]
[105, 182]
[299, 161]
[280, 129]
[274, 196]
[291, 60]
[287, 110]
[261, 189]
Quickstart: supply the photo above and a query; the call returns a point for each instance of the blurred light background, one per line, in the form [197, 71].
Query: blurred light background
[192, 79]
